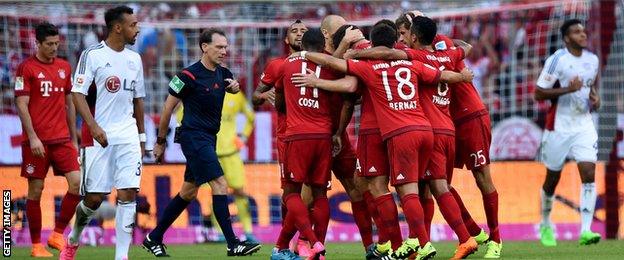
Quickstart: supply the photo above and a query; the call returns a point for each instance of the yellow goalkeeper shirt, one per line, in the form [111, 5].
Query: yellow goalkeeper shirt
[228, 141]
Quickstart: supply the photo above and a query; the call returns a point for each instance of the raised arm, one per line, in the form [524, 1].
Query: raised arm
[464, 45]
[347, 84]
[379, 53]
[325, 60]
[466, 75]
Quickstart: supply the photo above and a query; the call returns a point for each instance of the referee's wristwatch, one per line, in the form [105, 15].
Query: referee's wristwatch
[161, 140]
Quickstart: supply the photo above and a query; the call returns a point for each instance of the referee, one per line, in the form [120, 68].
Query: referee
[201, 87]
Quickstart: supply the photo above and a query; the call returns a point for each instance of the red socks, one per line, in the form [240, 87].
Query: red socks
[470, 224]
[320, 218]
[451, 213]
[301, 217]
[68, 208]
[363, 221]
[288, 231]
[415, 218]
[33, 213]
[490, 204]
[389, 216]
[428, 210]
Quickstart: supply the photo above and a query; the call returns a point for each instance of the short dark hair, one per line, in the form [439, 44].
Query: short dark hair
[313, 40]
[340, 34]
[383, 35]
[206, 35]
[45, 29]
[115, 15]
[425, 29]
[404, 20]
[387, 22]
[567, 24]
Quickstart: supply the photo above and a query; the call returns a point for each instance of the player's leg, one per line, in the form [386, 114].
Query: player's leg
[584, 151]
[64, 161]
[356, 195]
[426, 200]
[34, 169]
[387, 209]
[553, 151]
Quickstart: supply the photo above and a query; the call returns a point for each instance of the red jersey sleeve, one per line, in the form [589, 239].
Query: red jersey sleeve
[442, 42]
[426, 73]
[68, 80]
[271, 73]
[457, 55]
[357, 68]
[23, 80]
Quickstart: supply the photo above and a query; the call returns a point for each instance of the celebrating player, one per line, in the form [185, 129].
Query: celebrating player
[113, 117]
[201, 87]
[48, 121]
[568, 81]
[403, 124]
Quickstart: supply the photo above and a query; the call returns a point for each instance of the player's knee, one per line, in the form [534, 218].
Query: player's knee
[219, 186]
[126, 194]
[73, 183]
[93, 201]
[189, 194]
[35, 189]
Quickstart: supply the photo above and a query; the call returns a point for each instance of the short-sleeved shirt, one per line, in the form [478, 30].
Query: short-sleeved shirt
[435, 99]
[202, 92]
[465, 101]
[393, 87]
[272, 76]
[46, 84]
[307, 109]
[569, 112]
[111, 80]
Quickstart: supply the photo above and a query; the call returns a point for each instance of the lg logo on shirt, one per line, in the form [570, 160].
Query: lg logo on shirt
[46, 88]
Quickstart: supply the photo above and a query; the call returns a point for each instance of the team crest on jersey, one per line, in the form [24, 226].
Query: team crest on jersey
[112, 84]
[61, 73]
[80, 80]
[19, 83]
[30, 168]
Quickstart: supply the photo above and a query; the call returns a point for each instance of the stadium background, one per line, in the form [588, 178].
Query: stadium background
[511, 40]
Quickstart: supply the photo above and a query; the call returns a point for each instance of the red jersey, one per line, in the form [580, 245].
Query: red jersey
[393, 89]
[46, 84]
[307, 109]
[435, 99]
[466, 102]
[368, 120]
[270, 77]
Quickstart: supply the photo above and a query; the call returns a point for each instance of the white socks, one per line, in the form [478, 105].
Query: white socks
[547, 202]
[588, 204]
[124, 224]
[83, 216]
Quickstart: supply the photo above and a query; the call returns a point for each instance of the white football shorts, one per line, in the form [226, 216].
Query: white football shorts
[556, 146]
[116, 166]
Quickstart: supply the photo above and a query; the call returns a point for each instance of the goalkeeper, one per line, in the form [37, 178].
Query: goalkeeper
[229, 144]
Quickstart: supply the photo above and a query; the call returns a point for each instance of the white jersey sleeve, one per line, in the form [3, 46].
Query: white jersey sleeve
[550, 73]
[139, 89]
[85, 72]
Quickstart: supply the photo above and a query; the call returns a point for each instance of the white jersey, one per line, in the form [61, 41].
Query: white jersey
[111, 80]
[569, 112]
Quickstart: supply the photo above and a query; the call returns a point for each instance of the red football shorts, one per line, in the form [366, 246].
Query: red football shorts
[308, 161]
[473, 139]
[408, 154]
[63, 157]
[343, 165]
[442, 158]
[372, 156]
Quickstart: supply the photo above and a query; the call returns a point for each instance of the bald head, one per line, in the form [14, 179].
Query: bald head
[329, 26]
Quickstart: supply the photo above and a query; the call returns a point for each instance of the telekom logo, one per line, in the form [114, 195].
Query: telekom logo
[46, 88]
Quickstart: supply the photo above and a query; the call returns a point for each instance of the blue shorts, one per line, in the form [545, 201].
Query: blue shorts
[202, 164]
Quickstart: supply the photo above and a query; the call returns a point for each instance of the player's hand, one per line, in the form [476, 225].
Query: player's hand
[350, 54]
[36, 147]
[75, 144]
[352, 35]
[270, 96]
[99, 135]
[159, 150]
[467, 75]
[413, 14]
[337, 145]
[304, 80]
[233, 87]
[594, 99]
[575, 84]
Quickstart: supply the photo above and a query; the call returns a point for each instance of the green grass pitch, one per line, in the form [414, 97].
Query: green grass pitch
[610, 249]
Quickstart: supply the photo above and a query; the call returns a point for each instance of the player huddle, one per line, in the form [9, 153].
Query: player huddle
[410, 127]
[421, 117]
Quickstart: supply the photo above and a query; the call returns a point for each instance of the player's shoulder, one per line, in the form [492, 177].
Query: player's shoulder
[276, 62]
[94, 49]
[590, 56]
[132, 54]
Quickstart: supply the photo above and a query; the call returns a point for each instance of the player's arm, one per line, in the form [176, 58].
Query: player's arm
[451, 77]
[379, 53]
[347, 84]
[550, 93]
[261, 94]
[325, 60]
[250, 115]
[139, 115]
[594, 97]
[280, 101]
[547, 79]
[467, 47]
[345, 117]
[163, 127]
[80, 88]
[83, 109]
[351, 36]
[71, 118]
[21, 102]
